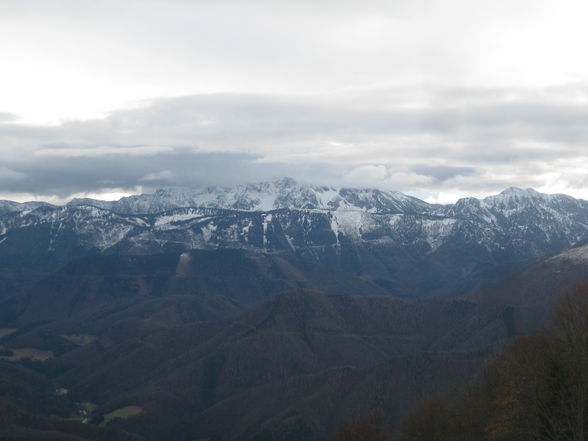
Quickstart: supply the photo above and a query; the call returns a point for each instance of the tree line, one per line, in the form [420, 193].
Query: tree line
[537, 390]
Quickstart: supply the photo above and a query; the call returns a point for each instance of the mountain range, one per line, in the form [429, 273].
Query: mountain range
[406, 246]
[272, 311]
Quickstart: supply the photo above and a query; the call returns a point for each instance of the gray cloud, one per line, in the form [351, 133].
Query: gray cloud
[443, 173]
[66, 175]
[424, 140]
[7, 117]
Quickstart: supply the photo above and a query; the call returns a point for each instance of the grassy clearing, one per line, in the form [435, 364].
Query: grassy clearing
[123, 413]
[79, 339]
[6, 331]
[76, 418]
[24, 353]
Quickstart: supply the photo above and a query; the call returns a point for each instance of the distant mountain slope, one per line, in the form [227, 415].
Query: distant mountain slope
[229, 344]
[193, 286]
[297, 365]
[537, 284]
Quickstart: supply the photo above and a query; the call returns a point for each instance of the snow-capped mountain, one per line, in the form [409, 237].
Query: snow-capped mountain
[404, 244]
[10, 206]
[264, 196]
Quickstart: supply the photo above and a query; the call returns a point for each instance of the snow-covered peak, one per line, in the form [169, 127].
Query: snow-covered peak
[264, 196]
[18, 207]
[515, 196]
[519, 199]
[519, 207]
[513, 205]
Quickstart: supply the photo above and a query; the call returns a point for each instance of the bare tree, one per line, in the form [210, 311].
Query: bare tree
[570, 335]
[372, 427]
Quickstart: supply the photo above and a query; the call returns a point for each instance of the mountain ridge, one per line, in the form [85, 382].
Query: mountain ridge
[262, 196]
[286, 193]
[405, 245]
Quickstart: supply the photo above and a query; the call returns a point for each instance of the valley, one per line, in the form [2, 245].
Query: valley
[219, 323]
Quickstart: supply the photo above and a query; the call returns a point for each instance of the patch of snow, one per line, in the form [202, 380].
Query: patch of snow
[436, 230]
[393, 219]
[183, 264]
[207, 231]
[266, 220]
[327, 196]
[351, 222]
[290, 241]
[335, 228]
[245, 230]
[177, 217]
[140, 222]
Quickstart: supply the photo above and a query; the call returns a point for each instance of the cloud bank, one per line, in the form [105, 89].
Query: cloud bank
[425, 140]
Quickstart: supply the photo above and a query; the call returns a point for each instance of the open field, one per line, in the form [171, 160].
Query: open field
[122, 413]
[24, 353]
[6, 331]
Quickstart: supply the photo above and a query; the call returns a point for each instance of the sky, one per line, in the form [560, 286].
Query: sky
[438, 99]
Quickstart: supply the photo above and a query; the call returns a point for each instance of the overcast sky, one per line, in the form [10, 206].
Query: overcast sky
[439, 99]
